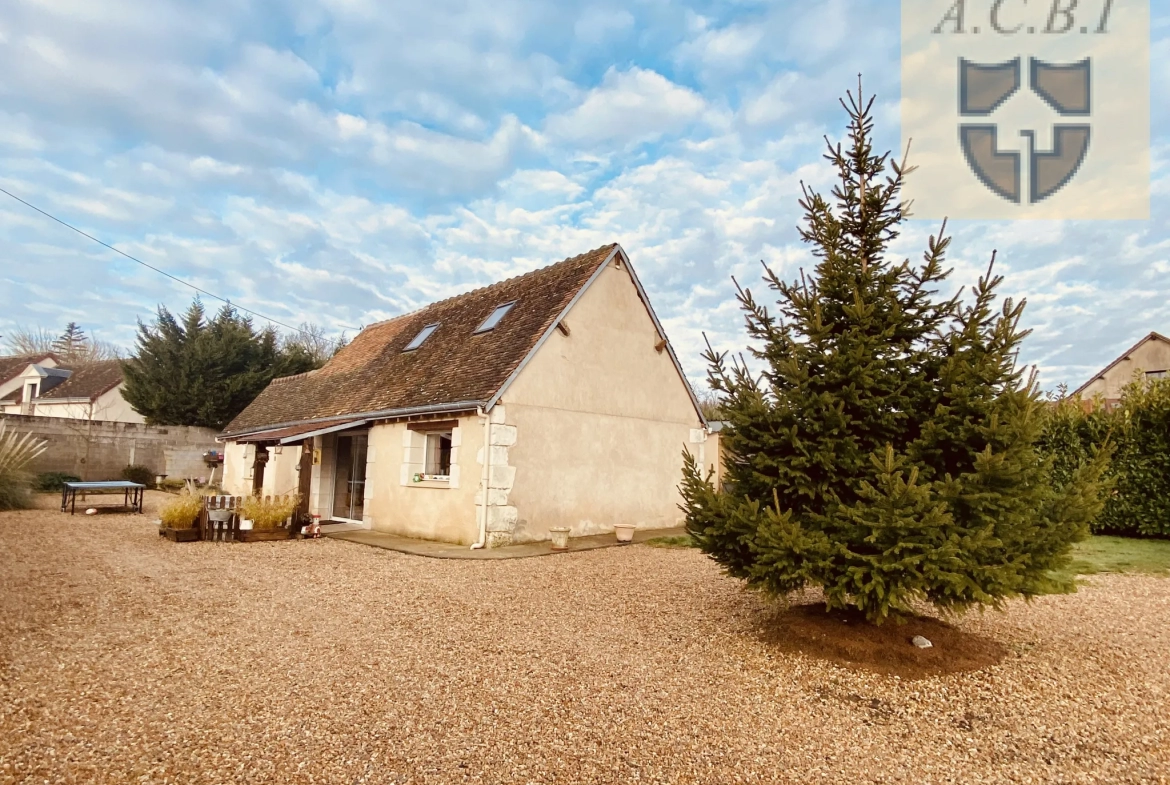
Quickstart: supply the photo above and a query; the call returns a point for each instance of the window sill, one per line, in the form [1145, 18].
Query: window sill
[431, 484]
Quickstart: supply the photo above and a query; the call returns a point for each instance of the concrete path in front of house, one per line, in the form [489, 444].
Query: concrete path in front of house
[445, 550]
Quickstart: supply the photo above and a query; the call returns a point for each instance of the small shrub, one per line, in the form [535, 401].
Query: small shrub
[181, 512]
[171, 484]
[268, 513]
[53, 481]
[16, 452]
[143, 475]
[15, 493]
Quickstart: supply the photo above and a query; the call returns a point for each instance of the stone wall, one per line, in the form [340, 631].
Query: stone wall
[99, 450]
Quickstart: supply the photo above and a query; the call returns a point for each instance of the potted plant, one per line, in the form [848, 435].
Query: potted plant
[268, 516]
[178, 518]
[624, 532]
[560, 538]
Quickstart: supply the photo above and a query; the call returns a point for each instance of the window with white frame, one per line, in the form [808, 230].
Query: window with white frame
[423, 334]
[494, 317]
[437, 455]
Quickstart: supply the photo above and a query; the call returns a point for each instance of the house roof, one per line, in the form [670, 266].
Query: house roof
[88, 381]
[454, 369]
[1153, 336]
[13, 365]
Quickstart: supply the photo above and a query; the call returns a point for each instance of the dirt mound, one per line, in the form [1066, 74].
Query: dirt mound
[846, 638]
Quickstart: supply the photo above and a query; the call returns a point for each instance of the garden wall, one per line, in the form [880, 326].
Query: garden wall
[99, 450]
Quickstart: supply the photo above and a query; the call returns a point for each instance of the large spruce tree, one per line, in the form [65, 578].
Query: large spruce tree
[202, 371]
[885, 450]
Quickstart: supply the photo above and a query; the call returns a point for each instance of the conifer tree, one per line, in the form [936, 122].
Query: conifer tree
[886, 452]
[72, 342]
[204, 371]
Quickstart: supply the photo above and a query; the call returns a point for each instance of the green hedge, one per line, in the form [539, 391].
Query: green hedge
[1138, 433]
[139, 474]
[53, 481]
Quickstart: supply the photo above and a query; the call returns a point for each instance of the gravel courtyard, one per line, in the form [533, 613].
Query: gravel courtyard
[126, 658]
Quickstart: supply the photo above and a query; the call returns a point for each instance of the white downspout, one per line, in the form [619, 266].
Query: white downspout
[483, 480]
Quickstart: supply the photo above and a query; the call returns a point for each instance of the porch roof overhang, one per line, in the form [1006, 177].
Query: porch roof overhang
[296, 433]
[323, 431]
[300, 430]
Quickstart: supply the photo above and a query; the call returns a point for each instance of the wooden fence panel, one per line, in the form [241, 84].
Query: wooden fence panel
[226, 531]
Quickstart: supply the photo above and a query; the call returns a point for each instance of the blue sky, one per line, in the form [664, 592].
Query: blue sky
[343, 161]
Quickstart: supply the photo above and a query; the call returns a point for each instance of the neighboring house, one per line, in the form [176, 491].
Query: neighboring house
[40, 386]
[12, 382]
[1148, 358]
[564, 374]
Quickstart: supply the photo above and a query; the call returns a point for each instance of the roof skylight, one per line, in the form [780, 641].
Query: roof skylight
[496, 315]
[423, 334]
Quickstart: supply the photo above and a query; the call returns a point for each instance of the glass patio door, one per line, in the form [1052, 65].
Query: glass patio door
[349, 477]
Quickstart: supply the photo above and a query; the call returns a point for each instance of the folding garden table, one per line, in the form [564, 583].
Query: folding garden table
[132, 493]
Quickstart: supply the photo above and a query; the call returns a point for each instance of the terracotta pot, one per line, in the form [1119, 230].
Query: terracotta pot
[624, 532]
[560, 538]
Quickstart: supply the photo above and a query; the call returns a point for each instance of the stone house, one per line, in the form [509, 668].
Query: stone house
[41, 386]
[1148, 358]
[550, 399]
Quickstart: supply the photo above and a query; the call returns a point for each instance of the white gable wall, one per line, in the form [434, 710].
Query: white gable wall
[1151, 355]
[19, 381]
[601, 419]
[109, 406]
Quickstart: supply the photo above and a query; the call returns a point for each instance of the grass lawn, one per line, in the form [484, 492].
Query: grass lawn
[1121, 554]
[1091, 557]
[683, 541]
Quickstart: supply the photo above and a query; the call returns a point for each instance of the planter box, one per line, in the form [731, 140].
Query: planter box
[179, 535]
[263, 535]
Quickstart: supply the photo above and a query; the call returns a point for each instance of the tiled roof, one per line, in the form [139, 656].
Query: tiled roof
[88, 381]
[374, 374]
[12, 365]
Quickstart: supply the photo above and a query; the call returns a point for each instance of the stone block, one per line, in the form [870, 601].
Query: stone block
[502, 477]
[499, 456]
[499, 539]
[497, 414]
[503, 435]
[502, 519]
[497, 497]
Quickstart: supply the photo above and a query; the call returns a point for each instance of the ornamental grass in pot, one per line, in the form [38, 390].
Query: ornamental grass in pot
[179, 516]
[268, 516]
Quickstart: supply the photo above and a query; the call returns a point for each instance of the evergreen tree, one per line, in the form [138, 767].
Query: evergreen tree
[71, 343]
[204, 371]
[886, 451]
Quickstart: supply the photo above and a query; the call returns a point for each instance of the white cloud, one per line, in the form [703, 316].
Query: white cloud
[628, 106]
[345, 160]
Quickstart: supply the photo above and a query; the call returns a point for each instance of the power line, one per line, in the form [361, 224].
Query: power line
[157, 270]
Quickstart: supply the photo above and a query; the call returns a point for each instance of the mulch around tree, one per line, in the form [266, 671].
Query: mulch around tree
[846, 638]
